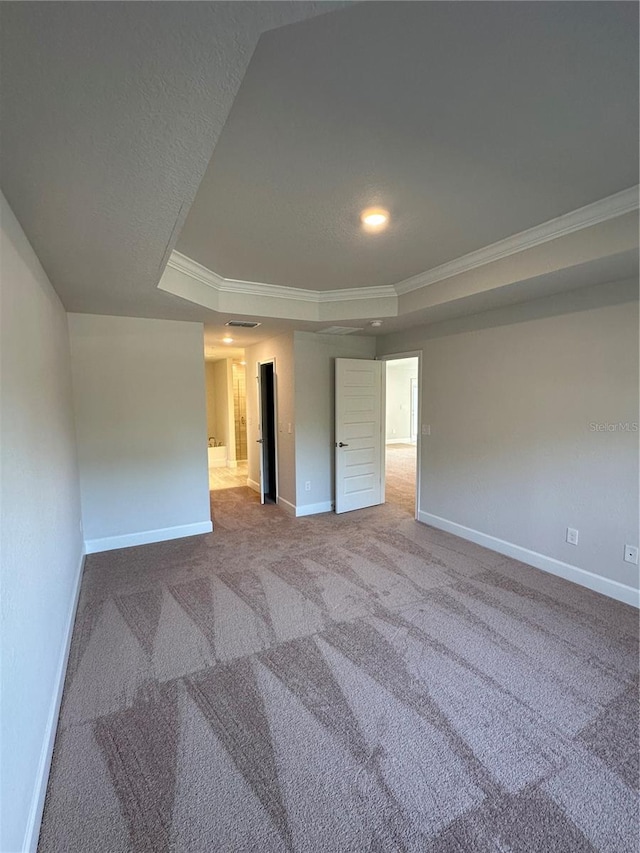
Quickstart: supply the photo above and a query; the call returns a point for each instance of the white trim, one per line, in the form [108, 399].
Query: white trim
[603, 210]
[146, 537]
[232, 463]
[407, 440]
[305, 509]
[287, 506]
[193, 269]
[314, 509]
[253, 485]
[598, 583]
[32, 831]
[394, 356]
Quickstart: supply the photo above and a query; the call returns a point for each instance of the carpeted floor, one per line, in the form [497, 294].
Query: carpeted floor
[400, 476]
[342, 683]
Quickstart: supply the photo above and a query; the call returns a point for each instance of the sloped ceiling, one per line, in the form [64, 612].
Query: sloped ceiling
[469, 122]
[110, 113]
[130, 129]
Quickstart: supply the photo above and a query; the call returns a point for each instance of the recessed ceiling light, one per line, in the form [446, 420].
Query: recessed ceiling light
[374, 219]
[375, 323]
[227, 340]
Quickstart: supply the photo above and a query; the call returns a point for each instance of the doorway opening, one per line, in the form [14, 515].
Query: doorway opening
[226, 399]
[267, 440]
[401, 431]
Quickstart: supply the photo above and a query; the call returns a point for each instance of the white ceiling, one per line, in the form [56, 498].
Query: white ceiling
[470, 121]
[110, 113]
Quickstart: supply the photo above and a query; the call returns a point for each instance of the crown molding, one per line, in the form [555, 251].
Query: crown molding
[302, 304]
[195, 270]
[603, 210]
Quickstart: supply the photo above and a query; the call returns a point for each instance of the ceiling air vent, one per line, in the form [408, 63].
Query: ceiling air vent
[242, 324]
[339, 330]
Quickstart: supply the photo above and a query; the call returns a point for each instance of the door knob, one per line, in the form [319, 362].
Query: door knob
[342, 444]
[259, 440]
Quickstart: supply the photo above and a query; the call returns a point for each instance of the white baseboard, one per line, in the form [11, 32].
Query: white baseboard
[314, 509]
[146, 537]
[598, 583]
[34, 820]
[407, 440]
[289, 508]
[305, 509]
[253, 485]
[232, 463]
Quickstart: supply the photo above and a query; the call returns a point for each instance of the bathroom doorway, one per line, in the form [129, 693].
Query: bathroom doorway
[239, 380]
[226, 421]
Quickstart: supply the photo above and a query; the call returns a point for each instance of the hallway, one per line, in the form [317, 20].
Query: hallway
[400, 479]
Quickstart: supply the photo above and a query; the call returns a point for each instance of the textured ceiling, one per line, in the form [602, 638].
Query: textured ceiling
[471, 121]
[468, 121]
[110, 113]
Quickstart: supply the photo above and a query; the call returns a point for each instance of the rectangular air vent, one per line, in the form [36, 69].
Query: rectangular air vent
[339, 330]
[242, 324]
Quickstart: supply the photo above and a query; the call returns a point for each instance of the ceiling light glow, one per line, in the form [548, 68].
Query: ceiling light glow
[227, 340]
[374, 219]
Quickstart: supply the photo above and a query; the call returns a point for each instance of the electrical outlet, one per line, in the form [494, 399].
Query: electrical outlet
[631, 554]
[572, 536]
[307, 486]
[426, 429]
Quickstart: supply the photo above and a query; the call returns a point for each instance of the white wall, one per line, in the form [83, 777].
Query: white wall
[139, 397]
[510, 396]
[314, 406]
[398, 399]
[40, 537]
[280, 349]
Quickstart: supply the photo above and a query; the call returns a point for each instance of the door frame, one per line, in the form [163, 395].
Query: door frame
[259, 364]
[413, 409]
[394, 357]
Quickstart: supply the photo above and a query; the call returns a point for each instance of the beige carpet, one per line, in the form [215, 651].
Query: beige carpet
[341, 683]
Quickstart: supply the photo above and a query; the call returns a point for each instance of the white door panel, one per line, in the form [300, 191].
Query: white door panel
[359, 446]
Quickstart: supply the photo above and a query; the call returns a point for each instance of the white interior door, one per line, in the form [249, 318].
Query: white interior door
[359, 446]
